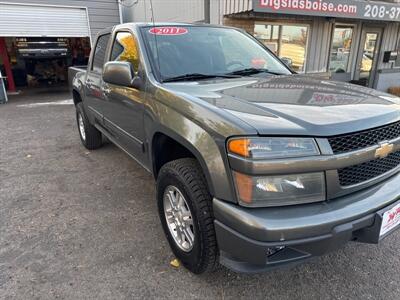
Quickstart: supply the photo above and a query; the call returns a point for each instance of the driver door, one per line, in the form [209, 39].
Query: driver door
[123, 113]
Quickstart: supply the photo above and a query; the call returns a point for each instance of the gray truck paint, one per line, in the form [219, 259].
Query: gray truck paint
[203, 115]
[282, 105]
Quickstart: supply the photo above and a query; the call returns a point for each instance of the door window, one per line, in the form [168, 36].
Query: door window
[341, 49]
[369, 53]
[125, 48]
[100, 53]
[368, 56]
[286, 41]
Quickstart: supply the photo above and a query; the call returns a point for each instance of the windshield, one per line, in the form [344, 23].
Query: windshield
[186, 50]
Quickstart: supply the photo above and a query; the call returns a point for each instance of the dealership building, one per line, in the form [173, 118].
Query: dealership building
[346, 40]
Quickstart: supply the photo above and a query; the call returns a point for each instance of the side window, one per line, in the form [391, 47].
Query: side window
[341, 49]
[100, 53]
[125, 48]
[287, 41]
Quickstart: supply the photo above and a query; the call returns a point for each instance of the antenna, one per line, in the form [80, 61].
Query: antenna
[155, 35]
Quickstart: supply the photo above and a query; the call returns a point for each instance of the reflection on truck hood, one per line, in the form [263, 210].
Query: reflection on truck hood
[296, 104]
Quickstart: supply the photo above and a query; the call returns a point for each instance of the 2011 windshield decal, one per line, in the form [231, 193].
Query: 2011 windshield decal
[168, 30]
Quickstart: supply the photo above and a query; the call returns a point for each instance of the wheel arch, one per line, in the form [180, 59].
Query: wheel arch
[168, 136]
[76, 96]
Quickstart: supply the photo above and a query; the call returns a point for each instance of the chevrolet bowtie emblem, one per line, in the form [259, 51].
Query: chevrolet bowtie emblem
[384, 150]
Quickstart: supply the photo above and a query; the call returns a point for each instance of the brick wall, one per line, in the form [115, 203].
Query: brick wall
[245, 24]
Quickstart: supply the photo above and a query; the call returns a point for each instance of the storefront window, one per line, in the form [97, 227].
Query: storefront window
[287, 41]
[341, 49]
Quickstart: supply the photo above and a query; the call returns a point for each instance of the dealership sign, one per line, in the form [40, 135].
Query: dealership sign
[331, 8]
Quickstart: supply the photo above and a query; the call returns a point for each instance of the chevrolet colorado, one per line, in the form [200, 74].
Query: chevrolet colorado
[256, 167]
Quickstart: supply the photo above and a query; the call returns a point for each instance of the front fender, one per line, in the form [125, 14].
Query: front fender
[208, 149]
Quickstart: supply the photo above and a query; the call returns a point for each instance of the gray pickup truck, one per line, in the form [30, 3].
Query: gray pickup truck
[256, 167]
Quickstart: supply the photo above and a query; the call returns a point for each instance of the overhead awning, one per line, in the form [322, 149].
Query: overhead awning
[25, 20]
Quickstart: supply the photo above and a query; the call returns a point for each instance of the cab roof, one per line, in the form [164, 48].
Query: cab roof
[157, 24]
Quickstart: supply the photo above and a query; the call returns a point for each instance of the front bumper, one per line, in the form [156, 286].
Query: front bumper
[255, 240]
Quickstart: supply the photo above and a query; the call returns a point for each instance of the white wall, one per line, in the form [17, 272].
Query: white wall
[102, 13]
[169, 11]
[386, 79]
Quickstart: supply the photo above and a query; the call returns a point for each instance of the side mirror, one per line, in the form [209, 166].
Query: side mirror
[119, 73]
[287, 61]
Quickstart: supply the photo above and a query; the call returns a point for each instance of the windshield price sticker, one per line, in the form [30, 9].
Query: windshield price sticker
[168, 30]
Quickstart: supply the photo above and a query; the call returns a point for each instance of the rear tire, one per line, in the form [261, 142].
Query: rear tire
[187, 179]
[90, 136]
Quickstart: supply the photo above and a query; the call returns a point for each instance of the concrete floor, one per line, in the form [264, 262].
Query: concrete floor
[78, 224]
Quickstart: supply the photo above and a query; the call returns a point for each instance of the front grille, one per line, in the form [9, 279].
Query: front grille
[368, 170]
[363, 139]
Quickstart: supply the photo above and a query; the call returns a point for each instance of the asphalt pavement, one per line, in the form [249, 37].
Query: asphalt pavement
[79, 224]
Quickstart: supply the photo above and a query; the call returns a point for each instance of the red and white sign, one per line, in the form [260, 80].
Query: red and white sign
[390, 220]
[168, 30]
[258, 63]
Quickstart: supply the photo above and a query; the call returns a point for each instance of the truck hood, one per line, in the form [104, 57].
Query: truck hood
[296, 104]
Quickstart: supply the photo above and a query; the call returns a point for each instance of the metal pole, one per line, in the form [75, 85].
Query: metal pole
[121, 19]
[3, 93]
[207, 11]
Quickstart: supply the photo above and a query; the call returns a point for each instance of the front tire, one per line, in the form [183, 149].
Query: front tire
[185, 210]
[90, 136]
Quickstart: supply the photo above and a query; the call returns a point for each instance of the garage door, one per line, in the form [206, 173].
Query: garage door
[20, 20]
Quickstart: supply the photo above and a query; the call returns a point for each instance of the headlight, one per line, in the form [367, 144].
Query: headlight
[264, 191]
[273, 147]
[277, 190]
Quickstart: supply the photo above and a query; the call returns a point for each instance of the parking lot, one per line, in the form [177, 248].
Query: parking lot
[78, 224]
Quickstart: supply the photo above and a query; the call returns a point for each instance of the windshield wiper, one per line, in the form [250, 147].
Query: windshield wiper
[251, 71]
[195, 76]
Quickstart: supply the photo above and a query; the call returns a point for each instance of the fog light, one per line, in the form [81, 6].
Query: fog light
[272, 251]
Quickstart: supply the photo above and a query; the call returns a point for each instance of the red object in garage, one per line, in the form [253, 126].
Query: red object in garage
[7, 65]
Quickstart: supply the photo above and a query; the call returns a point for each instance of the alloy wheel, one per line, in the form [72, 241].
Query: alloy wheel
[179, 218]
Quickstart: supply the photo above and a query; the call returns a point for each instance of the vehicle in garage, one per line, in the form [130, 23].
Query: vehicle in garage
[39, 41]
[256, 167]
